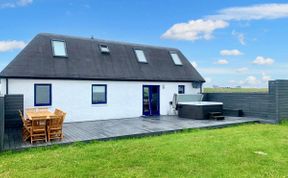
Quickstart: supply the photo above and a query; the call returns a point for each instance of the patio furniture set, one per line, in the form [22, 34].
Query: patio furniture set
[40, 124]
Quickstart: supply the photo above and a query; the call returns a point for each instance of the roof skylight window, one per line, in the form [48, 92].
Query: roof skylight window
[176, 59]
[59, 48]
[140, 55]
[104, 49]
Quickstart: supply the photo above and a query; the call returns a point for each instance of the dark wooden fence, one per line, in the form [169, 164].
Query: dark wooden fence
[280, 90]
[2, 124]
[9, 117]
[13, 103]
[252, 104]
[272, 105]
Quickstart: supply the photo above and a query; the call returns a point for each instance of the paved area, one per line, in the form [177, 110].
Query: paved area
[121, 128]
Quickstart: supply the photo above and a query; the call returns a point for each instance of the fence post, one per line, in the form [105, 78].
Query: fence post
[282, 99]
[2, 123]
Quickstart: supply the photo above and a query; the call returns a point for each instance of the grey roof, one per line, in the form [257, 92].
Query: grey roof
[85, 61]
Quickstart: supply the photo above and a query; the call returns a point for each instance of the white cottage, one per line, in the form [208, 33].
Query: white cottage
[93, 79]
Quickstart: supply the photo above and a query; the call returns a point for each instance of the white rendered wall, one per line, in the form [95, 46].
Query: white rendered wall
[3, 87]
[124, 99]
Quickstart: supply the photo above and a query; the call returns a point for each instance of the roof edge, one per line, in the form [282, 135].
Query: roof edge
[108, 79]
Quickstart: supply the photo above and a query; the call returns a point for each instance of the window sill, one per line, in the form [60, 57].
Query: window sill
[42, 105]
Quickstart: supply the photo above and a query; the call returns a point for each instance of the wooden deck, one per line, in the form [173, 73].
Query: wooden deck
[121, 128]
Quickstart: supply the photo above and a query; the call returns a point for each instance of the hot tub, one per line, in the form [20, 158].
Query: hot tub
[199, 109]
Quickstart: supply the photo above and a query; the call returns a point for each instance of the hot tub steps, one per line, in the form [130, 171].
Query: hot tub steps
[216, 116]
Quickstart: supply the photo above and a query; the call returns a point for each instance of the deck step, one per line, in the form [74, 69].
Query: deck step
[216, 116]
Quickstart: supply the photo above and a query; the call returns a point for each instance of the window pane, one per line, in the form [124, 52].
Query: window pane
[42, 95]
[181, 89]
[176, 59]
[104, 49]
[98, 94]
[59, 48]
[140, 55]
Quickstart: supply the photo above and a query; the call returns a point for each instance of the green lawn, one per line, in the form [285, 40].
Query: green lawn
[244, 151]
[235, 90]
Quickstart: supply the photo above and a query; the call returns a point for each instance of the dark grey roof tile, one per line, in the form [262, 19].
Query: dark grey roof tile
[85, 61]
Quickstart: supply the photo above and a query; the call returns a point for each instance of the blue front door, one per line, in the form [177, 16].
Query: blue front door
[151, 100]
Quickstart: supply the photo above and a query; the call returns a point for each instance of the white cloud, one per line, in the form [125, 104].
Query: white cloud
[254, 12]
[216, 71]
[251, 81]
[208, 80]
[222, 61]
[24, 2]
[242, 70]
[194, 30]
[15, 3]
[204, 28]
[233, 52]
[240, 37]
[260, 60]
[11, 45]
[265, 77]
[194, 63]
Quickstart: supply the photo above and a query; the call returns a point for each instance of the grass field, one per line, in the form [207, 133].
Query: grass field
[244, 151]
[235, 90]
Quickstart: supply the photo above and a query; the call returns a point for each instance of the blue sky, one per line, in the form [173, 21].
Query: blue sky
[231, 43]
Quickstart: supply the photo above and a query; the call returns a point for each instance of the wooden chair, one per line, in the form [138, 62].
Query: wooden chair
[30, 109]
[42, 109]
[38, 129]
[55, 125]
[26, 127]
[58, 111]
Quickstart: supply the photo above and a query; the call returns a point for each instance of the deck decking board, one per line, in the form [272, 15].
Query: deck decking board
[90, 131]
[76, 133]
[119, 128]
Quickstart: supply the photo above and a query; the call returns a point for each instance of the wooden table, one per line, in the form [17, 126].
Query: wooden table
[41, 119]
[39, 114]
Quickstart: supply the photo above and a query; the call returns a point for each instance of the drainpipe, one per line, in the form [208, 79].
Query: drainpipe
[201, 87]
